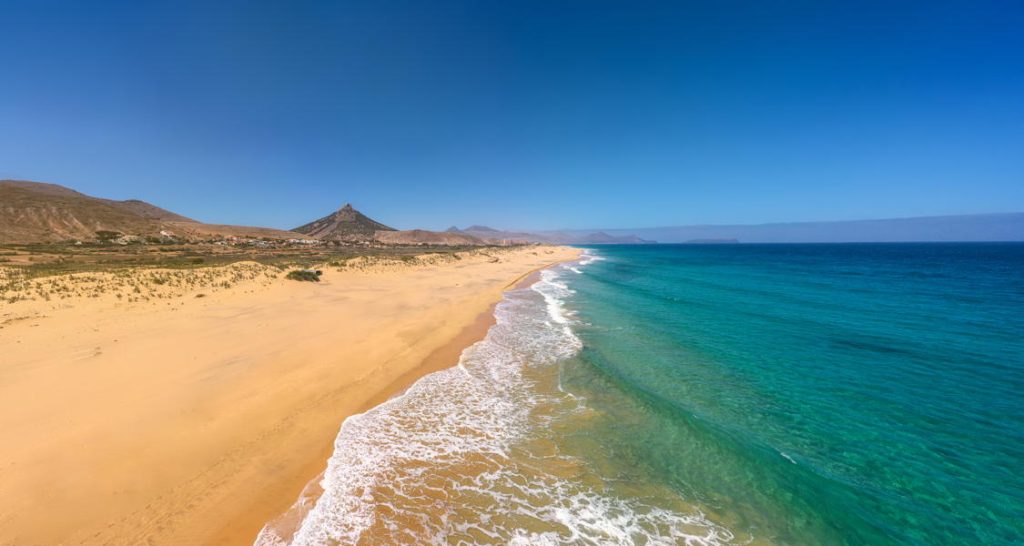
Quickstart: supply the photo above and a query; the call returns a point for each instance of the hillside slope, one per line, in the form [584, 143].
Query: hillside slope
[423, 237]
[37, 212]
[345, 224]
[33, 212]
[151, 212]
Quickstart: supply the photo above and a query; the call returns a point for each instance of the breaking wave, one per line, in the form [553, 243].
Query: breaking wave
[468, 456]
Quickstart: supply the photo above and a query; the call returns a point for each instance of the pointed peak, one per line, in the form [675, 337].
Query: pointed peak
[346, 223]
[453, 229]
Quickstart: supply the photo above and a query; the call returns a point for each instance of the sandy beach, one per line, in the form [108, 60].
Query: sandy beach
[196, 409]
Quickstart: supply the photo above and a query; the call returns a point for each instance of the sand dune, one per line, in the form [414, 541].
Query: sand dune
[161, 417]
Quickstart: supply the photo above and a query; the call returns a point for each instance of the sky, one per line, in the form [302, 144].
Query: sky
[541, 115]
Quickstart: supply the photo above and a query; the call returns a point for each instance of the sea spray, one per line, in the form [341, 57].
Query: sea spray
[467, 455]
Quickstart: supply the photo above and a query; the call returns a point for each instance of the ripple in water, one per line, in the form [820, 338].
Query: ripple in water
[467, 456]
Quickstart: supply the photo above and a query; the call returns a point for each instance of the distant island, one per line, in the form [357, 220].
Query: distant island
[954, 228]
[36, 212]
[550, 237]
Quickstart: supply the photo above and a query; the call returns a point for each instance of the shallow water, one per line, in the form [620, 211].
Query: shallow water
[788, 394]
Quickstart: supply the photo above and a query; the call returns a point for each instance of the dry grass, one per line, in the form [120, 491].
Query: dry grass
[43, 260]
[384, 262]
[130, 285]
[197, 276]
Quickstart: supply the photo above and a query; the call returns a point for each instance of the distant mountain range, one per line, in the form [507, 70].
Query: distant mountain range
[35, 212]
[954, 228]
[958, 228]
[497, 236]
[349, 225]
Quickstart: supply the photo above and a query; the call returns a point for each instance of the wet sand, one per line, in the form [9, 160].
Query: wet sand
[192, 420]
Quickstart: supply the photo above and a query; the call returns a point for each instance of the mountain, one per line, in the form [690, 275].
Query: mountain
[482, 229]
[423, 237]
[496, 236]
[602, 238]
[345, 224]
[349, 225]
[37, 212]
[968, 227]
[956, 228]
[152, 212]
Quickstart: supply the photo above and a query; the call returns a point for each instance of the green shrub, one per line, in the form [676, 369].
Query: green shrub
[303, 275]
[105, 235]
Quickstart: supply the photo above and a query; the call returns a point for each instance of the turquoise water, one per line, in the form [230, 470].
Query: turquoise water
[708, 395]
[808, 394]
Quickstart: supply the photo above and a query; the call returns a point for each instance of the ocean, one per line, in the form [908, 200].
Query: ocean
[709, 394]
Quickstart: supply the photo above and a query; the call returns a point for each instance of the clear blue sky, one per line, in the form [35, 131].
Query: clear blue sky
[521, 114]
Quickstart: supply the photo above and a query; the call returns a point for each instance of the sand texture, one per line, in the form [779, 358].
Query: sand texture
[192, 406]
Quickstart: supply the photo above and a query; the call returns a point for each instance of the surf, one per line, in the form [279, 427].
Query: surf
[467, 455]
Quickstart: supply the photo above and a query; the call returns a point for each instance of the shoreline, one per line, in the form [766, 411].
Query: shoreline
[236, 397]
[452, 350]
[443, 358]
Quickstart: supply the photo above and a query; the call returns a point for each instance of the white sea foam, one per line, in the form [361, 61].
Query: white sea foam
[589, 256]
[444, 463]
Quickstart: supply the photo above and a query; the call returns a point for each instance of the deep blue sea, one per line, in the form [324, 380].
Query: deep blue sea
[812, 394]
[707, 395]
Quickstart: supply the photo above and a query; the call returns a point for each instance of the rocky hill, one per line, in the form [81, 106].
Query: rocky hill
[152, 212]
[33, 212]
[423, 237]
[497, 236]
[345, 224]
[351, 226]
[36, 212]
[602, 238]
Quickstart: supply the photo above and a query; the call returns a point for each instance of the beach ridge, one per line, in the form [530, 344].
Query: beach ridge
[442, 358]
[236, 396]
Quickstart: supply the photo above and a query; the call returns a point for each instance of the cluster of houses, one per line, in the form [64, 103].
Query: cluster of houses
[265, 243]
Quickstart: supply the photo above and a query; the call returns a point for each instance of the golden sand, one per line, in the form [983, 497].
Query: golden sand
[135, 412]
